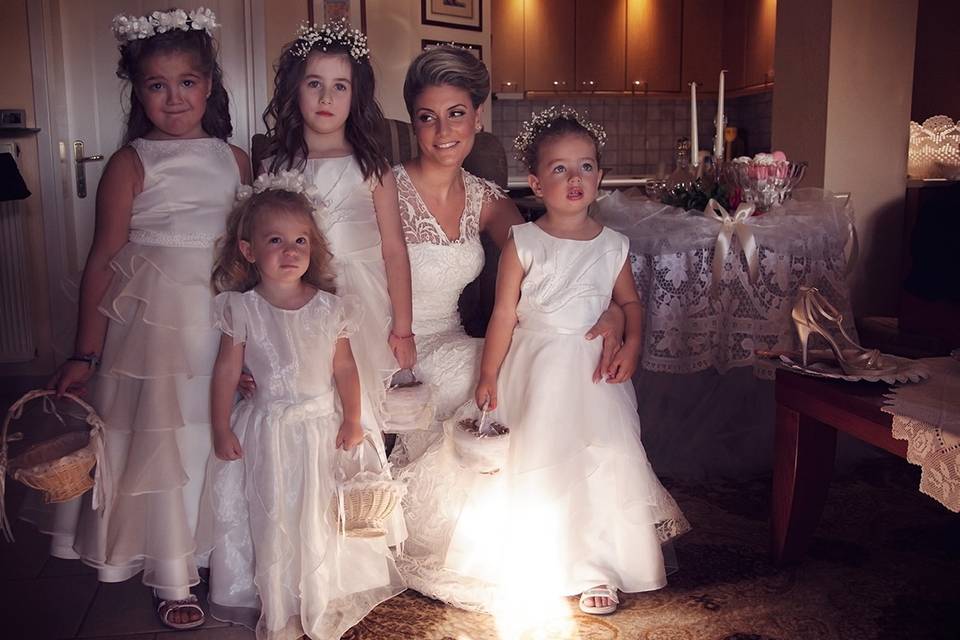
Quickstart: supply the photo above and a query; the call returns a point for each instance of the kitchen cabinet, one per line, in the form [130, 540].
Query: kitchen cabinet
[549, 30]
[761, 32]
[600, 44]
[507, 42]
[654, 45]
[702, 23]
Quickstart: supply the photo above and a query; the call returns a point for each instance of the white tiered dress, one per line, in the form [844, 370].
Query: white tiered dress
[278, 564]
[153, 387]
[584, 506]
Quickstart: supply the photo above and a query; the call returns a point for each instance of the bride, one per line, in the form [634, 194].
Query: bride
[444, 209]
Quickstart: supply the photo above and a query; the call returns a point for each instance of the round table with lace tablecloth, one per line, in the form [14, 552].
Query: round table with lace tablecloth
[715, 288]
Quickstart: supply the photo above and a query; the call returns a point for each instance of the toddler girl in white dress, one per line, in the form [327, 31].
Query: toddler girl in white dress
[277, 562]
[584, 513]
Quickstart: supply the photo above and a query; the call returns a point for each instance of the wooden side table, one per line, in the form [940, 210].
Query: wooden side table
[810, 412]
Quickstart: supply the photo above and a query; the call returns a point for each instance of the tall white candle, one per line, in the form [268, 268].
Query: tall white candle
[694, 134]
[718, 140]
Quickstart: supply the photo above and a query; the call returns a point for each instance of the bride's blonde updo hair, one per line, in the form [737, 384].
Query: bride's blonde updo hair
[446, 65]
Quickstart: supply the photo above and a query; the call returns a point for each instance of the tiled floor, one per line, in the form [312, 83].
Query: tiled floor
[47, 598]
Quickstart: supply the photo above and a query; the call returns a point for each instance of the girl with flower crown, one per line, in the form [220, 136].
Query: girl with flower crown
[278, 564]
[324, 121]
[145, 338]
[584, 512]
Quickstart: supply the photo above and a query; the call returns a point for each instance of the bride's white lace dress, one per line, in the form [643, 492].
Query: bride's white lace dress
[447, 357]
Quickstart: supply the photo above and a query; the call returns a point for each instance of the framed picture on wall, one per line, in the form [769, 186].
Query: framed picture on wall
[475, 49]
[454, 14]
[355, 12]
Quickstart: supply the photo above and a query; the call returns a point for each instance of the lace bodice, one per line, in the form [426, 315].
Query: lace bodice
[440, 267]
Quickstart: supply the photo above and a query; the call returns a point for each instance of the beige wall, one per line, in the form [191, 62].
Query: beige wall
[18, 94]
[395, 32]
[282, 18]
[842, 102]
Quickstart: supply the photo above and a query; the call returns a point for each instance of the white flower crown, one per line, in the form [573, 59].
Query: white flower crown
[129, 28]
[531, 128]
[293, 181]
[338, 32]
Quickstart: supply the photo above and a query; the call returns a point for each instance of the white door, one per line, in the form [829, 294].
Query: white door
[94, 100]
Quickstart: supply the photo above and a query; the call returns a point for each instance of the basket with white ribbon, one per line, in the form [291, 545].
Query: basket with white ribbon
[480, 438]
[408, 404]
[364, 501]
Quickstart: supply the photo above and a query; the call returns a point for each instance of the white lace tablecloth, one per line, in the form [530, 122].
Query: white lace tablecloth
[695, 321]
[927, 416]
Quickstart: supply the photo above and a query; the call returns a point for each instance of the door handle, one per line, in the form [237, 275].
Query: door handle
[81, 169]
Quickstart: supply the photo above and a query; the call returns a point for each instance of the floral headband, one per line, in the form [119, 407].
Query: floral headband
[293, 181]
[338, 32]
[538, 122]
[129, 28]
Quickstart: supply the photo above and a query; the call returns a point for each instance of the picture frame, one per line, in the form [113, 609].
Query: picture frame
[453, 14]
[355, 11]
[475, 49]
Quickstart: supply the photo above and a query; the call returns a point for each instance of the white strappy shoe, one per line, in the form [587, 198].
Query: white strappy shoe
[599, 592]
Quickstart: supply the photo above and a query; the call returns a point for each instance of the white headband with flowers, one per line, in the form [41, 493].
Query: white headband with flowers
[128, 28]
[531, 128]
[338, 32]
[293, 181]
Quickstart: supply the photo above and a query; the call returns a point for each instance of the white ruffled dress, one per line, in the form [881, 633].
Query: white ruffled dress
[153, 386]
[277, 563]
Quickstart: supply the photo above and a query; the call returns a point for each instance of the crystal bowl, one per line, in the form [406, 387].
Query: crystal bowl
[766, 184]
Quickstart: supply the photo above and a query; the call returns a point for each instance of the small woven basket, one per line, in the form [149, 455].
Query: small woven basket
[364, 502]
[59, 467]
[408, 404]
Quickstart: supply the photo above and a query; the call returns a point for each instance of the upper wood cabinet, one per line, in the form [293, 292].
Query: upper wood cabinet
[600, 44]
[654, 44]
[761, 30]
[549, 28]
[507, 73]
[702, 21]
[733, 55]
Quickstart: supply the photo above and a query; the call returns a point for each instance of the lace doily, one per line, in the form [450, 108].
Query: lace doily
[934, 148]
[693, 321]
[927, 416]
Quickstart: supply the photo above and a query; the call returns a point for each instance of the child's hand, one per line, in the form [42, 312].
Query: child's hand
[404, 350]
[349, 435]
[486, 393]
[226, 445]
[624, 363]
[72, 377]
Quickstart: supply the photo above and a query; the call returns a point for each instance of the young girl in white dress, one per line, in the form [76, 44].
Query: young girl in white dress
[586, 514]
[145, 338]
[325, 121]
[278, 563]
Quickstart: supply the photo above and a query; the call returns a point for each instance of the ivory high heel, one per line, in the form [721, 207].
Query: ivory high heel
[813, 314]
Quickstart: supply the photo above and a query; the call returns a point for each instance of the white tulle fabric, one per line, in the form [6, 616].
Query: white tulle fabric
[584, 507]
[694, 321]
[153, 387]
[276, 561]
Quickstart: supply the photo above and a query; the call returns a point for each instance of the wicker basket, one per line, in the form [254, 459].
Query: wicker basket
[59, 467]
[408, 404]
[364, 502]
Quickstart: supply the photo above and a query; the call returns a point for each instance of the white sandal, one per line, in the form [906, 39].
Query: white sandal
[599, 592]
[166, 607]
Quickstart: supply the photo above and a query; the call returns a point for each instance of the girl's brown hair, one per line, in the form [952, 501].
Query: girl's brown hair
[232, 272]
[195, 42]
[365, 124]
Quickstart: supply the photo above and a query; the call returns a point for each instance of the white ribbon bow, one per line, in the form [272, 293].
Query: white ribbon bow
[733, 225]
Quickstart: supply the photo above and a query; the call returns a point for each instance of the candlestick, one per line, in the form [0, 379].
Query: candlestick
[718, 139]
[694, 134]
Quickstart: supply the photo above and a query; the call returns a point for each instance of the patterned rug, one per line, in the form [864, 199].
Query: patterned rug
[884, 565]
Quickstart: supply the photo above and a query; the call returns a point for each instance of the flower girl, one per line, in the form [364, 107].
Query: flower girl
[145, 304]
[586, 513]
[278, 563]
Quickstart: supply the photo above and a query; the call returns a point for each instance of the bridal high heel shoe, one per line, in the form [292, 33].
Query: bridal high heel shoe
[812, 314]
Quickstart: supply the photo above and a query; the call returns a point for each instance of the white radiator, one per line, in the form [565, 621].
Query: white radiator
[16, 334]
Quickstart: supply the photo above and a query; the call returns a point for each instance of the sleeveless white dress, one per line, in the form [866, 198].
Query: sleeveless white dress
[584, 507]
[153, 386]
[278, 564]
[348, 221]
